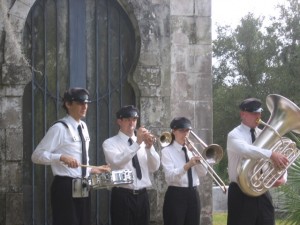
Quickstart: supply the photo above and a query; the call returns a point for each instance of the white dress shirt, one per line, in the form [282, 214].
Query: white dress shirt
[239, 147]
[62, 140]
[118, 153]
[173, 161]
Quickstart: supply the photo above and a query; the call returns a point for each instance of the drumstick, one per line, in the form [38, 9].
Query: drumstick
[97, 167]
[90, 166]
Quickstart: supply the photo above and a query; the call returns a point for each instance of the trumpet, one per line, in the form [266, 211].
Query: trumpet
[212, 155]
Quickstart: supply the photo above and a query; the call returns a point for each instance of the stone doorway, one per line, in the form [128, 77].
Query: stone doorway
[90, 44]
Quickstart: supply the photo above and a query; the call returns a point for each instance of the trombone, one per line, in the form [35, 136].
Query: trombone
[213, 154]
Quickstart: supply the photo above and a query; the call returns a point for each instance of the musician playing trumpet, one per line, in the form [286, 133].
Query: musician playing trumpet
[244, 209]
[182, 171]
[133, 150]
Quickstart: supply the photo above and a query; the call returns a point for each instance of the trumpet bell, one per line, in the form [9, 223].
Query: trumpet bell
[165, 139]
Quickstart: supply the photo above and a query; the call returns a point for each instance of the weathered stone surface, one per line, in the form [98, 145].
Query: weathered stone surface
[12, 171]
[14, 141]
[155, 112]
[2, 144]
[10, 112]
[13, 74]
[14, 204]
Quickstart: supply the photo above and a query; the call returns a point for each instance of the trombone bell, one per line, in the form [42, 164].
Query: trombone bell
[213, 154]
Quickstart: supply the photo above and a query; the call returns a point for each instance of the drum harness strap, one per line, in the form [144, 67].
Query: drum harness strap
[80, 189]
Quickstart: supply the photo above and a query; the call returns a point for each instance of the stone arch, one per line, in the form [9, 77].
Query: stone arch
[27, 166]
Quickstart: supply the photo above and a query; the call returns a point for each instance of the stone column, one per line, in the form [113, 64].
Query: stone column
[14, 75]
[191, 78]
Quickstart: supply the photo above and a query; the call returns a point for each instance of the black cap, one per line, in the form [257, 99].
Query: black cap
[127, 112]
[180, 122]
[251, 105]
[77, 95]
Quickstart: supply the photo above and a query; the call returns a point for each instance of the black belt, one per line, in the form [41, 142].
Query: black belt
[182, 188]
[130, 191]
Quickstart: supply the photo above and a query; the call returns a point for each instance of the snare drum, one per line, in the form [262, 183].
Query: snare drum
[109, 179]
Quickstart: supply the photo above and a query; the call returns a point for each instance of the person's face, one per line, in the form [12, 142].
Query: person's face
[77, 109]
[127, 125]
[250, 118]
[181, 134]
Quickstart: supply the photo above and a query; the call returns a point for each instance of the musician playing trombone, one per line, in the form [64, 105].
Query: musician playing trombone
[242, 208]
[135, 152]
[182, 171]
[63, 149]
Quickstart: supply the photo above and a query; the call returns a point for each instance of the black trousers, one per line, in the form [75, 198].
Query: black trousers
[181, 206]
[129, 207]
[67, 210]
[246, 210]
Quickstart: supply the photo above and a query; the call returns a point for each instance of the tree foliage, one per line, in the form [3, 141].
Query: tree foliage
[254, 60]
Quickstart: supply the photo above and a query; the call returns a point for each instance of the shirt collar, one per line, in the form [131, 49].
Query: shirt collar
[125, 137]
[245, 127]
[72, 121]
[177, 146]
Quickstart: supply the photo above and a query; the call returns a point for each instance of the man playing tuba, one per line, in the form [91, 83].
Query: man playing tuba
[242, 208]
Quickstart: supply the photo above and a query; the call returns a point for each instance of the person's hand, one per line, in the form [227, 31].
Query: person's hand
[280, 181]
[101, 169]
[195, 160]
[143, 135]
[279, 160]
[140, 134]
[69, 161]
[149, 139]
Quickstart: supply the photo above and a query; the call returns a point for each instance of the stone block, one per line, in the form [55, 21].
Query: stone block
[14, 90]
[13, 74]
[149, 76]
[11, 175]
[198, 59]
[182, 8]
[203, 7]
[10, 112]
[14, 139]
[14, 208]
[182, 108]
[191, 59]
[203, 122]
[155, 112]
[190, 30]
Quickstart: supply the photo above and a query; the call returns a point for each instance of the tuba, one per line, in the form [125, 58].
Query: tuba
[256, 176]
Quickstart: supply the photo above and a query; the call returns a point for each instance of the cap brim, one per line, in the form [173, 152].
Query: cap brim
[259, 110]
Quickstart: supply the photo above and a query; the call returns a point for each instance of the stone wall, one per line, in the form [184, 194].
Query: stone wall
[173, 78]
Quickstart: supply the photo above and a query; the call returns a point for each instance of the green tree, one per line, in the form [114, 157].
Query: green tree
[241, 64]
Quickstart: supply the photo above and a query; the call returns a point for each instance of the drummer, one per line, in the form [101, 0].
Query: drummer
[127, 150]
[65, 147]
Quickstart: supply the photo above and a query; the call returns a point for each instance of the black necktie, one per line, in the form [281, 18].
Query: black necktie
[189, 172]
[252, 131]
[135, 163]
[84, 160]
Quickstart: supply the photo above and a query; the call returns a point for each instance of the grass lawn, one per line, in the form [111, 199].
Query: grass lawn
[221, 218]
